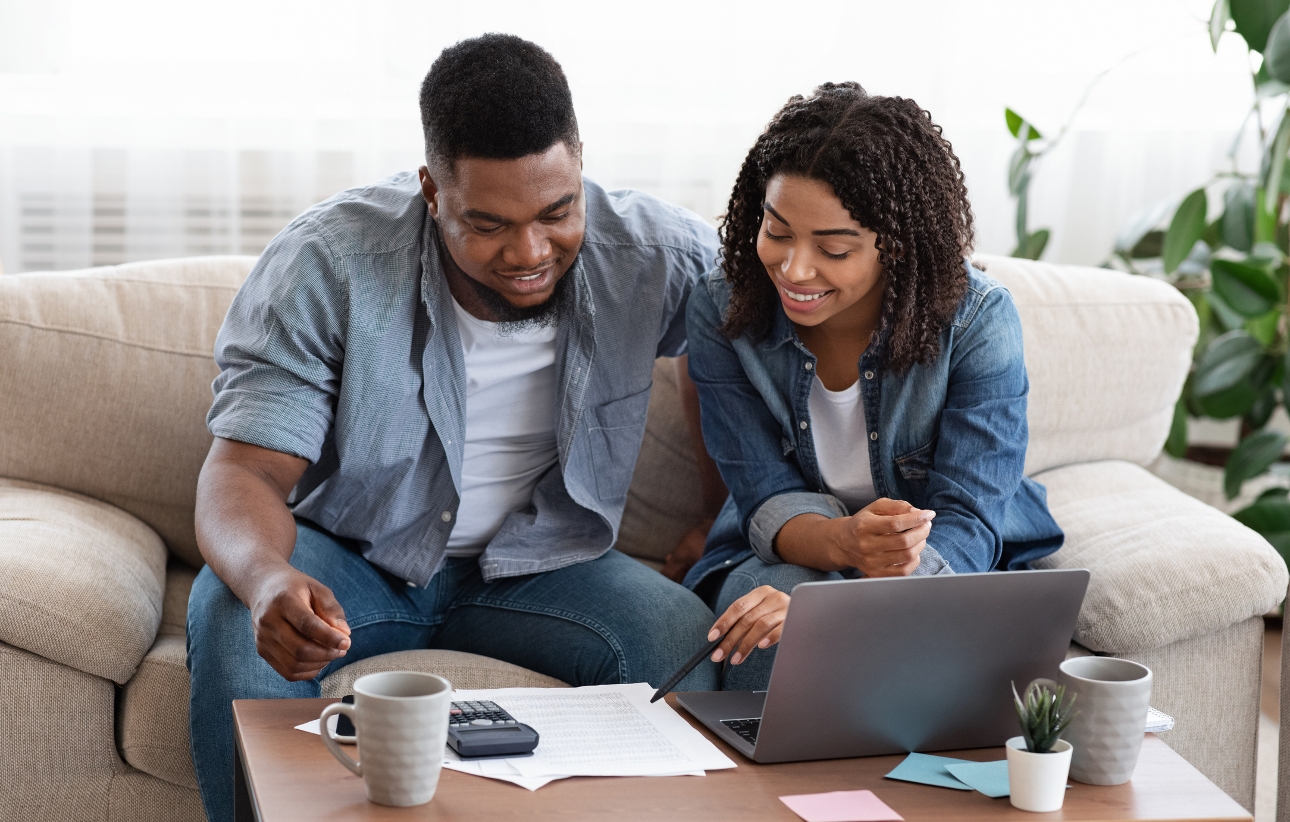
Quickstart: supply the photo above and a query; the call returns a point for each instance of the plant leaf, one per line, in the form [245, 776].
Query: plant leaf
[1176, 444]
[1218, 21]
[1254, 455]
[1238, 217]
[1186, 227]
[1228, 361]
[1034, 245]
[1019, 170]
[1276, 57]
[1015, 122]
[1151, 245]
[1247, 289]
[1276, 166]
[1228, 319]
[1224, 405]
[1254, 19]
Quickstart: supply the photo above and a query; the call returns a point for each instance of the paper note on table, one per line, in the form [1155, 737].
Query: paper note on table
[840, 806]
[600, 730]
[990, 778]
[929, 770]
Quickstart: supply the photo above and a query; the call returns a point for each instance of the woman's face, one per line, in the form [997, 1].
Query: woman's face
[823, 263]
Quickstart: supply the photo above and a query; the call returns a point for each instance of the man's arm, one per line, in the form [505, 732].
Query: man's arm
[690, 548]
[246, 534]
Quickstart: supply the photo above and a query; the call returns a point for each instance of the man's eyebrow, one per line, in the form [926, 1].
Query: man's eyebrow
[489, 217]
[824, 232]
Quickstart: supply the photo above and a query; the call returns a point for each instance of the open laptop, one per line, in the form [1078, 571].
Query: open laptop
[892, 665]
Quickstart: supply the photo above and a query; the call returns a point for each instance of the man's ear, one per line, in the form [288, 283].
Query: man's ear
[429, 190]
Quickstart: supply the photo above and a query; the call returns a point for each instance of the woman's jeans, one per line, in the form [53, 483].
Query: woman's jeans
[753, 674]
[609, 620]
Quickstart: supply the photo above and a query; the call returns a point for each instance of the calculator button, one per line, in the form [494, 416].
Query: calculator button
[481, 722]
[510, 722]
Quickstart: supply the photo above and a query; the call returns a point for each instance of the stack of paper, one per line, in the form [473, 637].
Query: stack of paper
[601, 730]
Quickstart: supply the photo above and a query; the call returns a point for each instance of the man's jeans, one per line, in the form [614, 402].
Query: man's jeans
[605, 621]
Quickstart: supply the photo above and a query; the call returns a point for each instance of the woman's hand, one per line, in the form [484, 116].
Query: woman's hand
[885, 538]
[755, 620]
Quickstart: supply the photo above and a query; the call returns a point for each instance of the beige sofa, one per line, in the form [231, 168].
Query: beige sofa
[104, 386]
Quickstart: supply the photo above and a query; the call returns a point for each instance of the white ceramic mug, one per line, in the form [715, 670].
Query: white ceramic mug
[1111, 698]
[401, 720]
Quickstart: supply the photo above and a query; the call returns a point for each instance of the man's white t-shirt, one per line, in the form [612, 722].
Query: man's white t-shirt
[510, 426]
[842, 444]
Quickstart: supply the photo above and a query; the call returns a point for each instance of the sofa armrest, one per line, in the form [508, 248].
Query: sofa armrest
[81, 582]
[1165, 566]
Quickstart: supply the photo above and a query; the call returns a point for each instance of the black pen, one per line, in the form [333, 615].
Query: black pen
[686, 668]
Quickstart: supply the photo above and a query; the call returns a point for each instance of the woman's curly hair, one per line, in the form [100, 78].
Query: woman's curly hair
[897, 176]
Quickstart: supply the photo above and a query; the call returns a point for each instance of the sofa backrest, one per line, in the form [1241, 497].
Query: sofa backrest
[105, 382]
[1107, 354]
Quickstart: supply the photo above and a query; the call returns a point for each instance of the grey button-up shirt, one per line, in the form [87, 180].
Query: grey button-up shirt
[342, 348]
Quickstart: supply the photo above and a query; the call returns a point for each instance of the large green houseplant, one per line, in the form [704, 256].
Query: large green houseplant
[1233, 268]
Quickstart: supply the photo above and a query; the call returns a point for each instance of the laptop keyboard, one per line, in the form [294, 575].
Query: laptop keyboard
[746, 728]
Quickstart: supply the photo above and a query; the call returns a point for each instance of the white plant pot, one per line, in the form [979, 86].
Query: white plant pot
[1037, 781]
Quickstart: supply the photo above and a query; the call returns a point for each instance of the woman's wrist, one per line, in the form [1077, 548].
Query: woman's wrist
[809, 540]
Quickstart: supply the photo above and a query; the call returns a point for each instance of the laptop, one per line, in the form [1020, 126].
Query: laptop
[898, 664]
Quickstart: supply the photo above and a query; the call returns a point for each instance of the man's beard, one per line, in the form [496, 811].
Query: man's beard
[513, 319]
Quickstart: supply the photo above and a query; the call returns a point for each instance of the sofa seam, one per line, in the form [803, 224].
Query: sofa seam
[82, 333]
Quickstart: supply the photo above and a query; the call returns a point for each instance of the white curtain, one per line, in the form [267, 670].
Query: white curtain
[141, 129]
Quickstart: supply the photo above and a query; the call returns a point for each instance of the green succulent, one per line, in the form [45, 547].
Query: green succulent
[1044, 712]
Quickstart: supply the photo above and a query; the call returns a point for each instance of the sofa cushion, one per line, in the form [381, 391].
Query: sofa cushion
[1106, 353]
[80, 581]
[665, 499]
[1165, 567]
[106, 374]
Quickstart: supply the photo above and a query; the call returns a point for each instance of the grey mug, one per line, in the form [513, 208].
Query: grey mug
[1111, 699]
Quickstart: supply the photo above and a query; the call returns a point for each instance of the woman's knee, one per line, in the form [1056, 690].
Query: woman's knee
[754, 573]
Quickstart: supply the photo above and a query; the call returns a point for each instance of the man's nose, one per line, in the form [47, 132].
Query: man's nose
[529, 248]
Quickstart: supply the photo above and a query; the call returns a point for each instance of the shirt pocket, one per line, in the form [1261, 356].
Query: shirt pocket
[616, 442]
[912, 469]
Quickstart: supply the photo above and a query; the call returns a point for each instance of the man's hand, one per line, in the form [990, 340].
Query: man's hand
[687, 552]
[755, 620]
[299, 625]
[885, 538]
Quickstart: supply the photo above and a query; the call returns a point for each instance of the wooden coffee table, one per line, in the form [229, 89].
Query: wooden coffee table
[285, 774]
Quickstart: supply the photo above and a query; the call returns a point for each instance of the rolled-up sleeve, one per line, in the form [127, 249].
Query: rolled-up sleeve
[281, 348]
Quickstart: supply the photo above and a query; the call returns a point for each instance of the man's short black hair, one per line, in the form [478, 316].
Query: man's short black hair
[496, 96]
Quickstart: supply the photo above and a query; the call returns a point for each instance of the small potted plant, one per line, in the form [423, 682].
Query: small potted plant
[1039, 760]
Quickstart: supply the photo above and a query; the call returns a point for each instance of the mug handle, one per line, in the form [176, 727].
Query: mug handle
[332, 742]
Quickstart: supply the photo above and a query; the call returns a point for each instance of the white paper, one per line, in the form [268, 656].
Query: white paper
[599, 730]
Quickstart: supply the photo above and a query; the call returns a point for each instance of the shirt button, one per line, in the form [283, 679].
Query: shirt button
[446, 516]
[802, 425]
[868, 375]
[873, 435]
[808, 366]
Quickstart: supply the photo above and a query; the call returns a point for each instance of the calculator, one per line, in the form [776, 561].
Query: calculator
[483, 728]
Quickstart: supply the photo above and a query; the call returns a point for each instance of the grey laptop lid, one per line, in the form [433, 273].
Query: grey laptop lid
[882, 666]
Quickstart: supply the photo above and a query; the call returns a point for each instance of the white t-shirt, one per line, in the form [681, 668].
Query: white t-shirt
[841, 444]
[510, 426]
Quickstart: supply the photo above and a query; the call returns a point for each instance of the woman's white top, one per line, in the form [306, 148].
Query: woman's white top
[510, 425]
[841, 444]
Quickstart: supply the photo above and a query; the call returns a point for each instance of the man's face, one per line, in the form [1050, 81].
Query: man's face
[511, 226]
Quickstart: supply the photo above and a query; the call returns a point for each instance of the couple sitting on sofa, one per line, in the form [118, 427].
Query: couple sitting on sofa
[433, 391]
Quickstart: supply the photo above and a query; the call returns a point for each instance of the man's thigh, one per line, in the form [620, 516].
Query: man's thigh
[605, 621]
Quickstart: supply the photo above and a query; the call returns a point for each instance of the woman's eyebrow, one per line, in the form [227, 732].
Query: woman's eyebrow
[828, 232]
[776, 214]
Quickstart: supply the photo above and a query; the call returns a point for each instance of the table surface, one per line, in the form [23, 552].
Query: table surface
[293, 777]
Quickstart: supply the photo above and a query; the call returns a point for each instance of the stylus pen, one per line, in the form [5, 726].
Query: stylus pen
[690, 665]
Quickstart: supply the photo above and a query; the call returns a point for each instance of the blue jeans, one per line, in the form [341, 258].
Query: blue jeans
[753, 674]
[604, 621]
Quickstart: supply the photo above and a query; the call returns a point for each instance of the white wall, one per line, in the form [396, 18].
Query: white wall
[148, 128]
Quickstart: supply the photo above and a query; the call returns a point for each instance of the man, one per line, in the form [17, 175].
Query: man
[432, 395]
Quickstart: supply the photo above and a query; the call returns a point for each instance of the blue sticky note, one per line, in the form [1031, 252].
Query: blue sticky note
[990, 778]
[929, 770]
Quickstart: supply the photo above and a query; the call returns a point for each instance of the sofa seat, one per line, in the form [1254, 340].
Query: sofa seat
[152, 719]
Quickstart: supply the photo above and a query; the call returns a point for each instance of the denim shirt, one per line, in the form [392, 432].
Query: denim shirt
[342, 348]
[949, 436]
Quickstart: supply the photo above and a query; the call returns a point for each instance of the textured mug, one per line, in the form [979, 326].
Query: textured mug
[401, 720]
[1111, 702]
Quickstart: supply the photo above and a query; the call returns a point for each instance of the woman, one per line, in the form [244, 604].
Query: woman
[862, 386]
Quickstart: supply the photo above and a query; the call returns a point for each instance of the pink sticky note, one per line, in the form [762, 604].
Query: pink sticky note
[840, 806]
